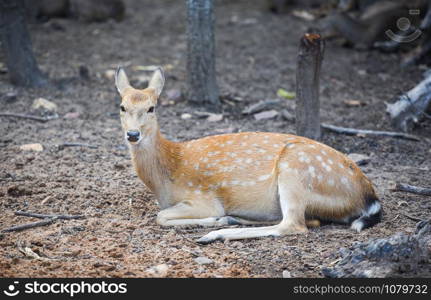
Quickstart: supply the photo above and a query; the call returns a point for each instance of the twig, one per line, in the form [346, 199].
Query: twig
[353, 131]
[76, 145]
[30, 225]
[413, 218]
[44, 216]
[30, 117]
[412, 189]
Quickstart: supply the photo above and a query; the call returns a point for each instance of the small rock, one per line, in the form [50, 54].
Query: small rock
[158, 271]
[173, 94]
[109, 74]
[268, 114]
[286, 274]
[186, 116]
[362, 72]
[215, 118]
[42, 103]
[142, 80]
[202, 260]
[353, 103]
[32, 147]
[359, 159]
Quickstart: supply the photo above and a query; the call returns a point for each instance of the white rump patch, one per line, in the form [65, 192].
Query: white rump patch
[357, 225]
[373, 208]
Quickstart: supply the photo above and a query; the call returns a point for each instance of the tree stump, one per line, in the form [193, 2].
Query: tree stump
[310, 56]
[202, 88]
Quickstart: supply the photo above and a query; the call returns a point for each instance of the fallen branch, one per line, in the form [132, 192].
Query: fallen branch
[30, 225]
[353, 131]
[64, 145]
[412, 189]
[261, 106]
[30, 117]
[44, 216]
[412, 106]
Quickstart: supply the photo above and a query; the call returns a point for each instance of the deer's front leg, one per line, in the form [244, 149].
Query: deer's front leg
[184, 214]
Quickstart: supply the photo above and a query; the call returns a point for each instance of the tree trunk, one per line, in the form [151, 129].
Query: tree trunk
[20, 61]
[202, 87]
[310, 57]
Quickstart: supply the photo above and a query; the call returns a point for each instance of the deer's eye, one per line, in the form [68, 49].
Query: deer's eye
[122, 108]
[151, 109]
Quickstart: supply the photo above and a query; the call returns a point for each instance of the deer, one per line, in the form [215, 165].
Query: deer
[282, 182]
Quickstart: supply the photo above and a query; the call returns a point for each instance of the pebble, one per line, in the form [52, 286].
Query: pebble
[158, 271]
[202, 260]
[286, 274]
[44, 104]
[186, 116]
[32, 147]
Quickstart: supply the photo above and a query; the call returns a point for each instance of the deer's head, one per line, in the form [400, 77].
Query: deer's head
[137, 108]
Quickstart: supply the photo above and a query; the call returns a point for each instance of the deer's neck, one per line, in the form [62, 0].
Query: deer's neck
[154, 163]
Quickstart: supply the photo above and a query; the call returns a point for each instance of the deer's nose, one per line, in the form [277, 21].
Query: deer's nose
[133, 135]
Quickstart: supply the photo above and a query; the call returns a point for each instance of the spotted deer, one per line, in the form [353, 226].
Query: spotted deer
[282, 181]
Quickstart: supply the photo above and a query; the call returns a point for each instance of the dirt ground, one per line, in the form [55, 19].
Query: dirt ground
[256, 55]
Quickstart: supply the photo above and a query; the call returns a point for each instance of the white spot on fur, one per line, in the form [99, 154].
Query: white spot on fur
[264, 177]
[269, 157]
[197, 166]
[284, 165]
[331, 182]
[330, 161]
[248, 151]
[344, 181]
[319, 158]
[229, 142]
[190, 183]
[291, 146]
[248, 160]
[373, 208]
[323, 152]
[198, 192]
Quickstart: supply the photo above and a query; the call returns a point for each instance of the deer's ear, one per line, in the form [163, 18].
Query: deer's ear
[157, 81]
[121, 81]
